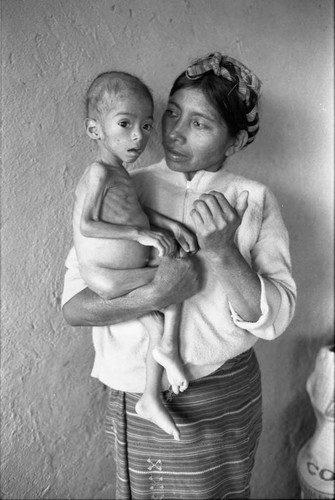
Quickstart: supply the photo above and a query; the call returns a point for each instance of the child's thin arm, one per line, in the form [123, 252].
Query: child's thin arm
[184, 236]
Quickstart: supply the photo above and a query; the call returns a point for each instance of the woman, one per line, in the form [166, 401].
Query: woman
[245, 292]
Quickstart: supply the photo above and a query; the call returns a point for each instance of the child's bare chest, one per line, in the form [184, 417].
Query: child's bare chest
[120, 202]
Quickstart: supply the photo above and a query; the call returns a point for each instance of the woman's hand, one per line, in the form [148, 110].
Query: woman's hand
[172, 282]
[176, 280]
[216, 221]
[186, 239]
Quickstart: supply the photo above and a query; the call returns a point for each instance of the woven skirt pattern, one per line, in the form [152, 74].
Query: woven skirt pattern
[220, 419]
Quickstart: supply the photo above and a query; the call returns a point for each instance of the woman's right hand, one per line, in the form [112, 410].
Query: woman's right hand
[165, 243]
[175, 281]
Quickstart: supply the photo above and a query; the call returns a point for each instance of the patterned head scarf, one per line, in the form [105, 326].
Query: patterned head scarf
[247, 84]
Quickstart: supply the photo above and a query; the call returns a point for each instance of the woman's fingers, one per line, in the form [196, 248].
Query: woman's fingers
[197, 218]
[206, 207]
[215, 204]
[242, 203]
[216, 220]
[212, 202]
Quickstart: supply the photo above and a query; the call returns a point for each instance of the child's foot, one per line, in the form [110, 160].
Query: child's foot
[153, 409]
[174, 368]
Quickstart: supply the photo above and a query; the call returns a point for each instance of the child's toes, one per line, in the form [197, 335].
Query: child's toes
[183, 386]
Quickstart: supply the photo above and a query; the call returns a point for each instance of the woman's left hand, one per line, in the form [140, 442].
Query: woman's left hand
[216, 221]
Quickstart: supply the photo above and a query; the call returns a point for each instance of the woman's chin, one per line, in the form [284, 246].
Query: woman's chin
[176, 165]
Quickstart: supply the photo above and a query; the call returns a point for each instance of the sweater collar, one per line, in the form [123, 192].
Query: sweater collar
[200, 178]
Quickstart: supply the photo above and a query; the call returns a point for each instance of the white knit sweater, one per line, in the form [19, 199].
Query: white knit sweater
[210, 332]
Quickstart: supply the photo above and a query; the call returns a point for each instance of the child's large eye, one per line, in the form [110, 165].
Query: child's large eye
[123, 123]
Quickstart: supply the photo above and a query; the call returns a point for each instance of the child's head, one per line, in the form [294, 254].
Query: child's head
[119, 116]
[110, 85]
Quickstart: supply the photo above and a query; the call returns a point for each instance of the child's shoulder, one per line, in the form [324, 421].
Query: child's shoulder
[97, 167]
[97, 171]
[94, 173]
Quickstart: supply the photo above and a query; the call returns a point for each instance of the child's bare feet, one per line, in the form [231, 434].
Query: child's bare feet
[171, 361]
[153, 409]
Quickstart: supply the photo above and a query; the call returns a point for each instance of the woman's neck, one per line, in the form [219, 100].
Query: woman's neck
[189, 175]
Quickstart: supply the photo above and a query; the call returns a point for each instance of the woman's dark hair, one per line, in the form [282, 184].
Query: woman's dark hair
[223, 96]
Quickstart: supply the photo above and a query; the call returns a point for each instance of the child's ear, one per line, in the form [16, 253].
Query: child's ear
[240, 141]
[93, 128]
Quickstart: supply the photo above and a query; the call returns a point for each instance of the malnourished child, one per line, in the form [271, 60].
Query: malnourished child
[112, 230]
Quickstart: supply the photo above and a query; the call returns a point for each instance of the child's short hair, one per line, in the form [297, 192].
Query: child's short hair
[111, 84]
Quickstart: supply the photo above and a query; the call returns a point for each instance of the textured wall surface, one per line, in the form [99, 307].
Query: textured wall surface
[52, 443]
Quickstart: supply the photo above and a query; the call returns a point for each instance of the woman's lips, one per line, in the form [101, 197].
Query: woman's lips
[175, 155]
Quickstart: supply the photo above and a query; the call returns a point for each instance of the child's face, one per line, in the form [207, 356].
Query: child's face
[125, 129]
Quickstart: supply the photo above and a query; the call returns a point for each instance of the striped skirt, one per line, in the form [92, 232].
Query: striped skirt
[220, 420]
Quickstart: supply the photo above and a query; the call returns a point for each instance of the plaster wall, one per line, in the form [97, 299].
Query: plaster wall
[52, 442]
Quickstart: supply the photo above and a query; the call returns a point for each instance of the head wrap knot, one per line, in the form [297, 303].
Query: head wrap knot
[247, 84]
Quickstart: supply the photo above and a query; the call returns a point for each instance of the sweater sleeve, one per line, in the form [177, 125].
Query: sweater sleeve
[270, 259]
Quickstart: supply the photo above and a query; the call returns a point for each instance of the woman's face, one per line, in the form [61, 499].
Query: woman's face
[195, 137]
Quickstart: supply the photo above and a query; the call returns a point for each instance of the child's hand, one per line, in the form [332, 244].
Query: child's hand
[164, 243]
[186, 239]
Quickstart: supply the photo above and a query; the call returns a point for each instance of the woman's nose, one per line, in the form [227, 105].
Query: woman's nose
[177, 133]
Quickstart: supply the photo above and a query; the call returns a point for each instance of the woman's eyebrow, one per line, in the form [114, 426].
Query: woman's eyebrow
[196, 112]
[170, 101]
[205, 116]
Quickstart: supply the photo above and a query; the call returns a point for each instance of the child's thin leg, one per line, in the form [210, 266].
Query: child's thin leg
[150, 405]
[167, 352]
